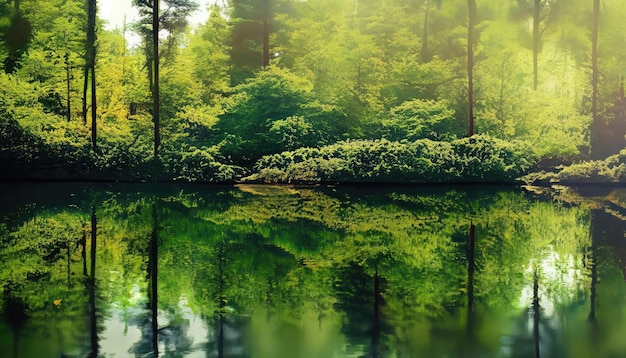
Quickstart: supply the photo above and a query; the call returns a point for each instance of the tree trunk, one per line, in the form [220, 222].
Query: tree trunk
[91, 61]
[536, 39]
[594, 71]
[266, 33]
[94, 130]
[471, 5]
[68, 76]
[155, 89]
[424, 53]
[85, 87]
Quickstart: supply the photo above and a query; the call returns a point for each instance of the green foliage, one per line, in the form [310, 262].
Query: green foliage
[274, 94]
[418, 119]
[612, 169]
[326, 265]
[479, 158]
[198, 165]
[482, 158]
[338, 71]
[293, 132]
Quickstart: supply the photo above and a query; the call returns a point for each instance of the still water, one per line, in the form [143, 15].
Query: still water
[103, 270]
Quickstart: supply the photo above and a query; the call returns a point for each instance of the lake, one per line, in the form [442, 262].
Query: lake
[146, 270]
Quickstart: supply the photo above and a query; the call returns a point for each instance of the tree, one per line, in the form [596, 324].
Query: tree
[155, 88]
[538, 10]
[90, 67]
[209, 45]
[426, 56]
[16, 36]
[173, 20]
[254, 21]
[594, 66]
[471, 6]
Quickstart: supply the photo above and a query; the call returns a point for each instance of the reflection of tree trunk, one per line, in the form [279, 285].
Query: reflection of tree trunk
[153, 282]
[221, 298]
[67, 247]
[14, 314]
[594, 280]
[220, 337]
[470, 280]
[376, 328]
[83, 243]
[536, 316]
[269, 299]
[92, 286]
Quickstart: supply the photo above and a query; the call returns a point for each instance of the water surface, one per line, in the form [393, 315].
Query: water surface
[254, 271]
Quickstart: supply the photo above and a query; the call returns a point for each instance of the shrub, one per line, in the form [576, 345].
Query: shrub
[612, 169]
[197, 165]
[478, 158]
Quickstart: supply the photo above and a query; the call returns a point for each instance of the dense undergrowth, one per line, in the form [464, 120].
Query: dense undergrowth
[475, 159]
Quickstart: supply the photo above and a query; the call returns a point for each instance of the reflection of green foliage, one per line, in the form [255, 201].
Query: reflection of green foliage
[281, 257]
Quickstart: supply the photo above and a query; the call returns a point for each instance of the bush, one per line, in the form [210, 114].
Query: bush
[480, 159]
[610, 170]
[193, 164]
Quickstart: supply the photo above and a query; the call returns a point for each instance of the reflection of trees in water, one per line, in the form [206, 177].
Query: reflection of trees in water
[171, 336]
[14, 314]
[91, 287]
[384, 266]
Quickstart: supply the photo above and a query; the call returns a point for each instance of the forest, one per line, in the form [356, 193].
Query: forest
[315, 91]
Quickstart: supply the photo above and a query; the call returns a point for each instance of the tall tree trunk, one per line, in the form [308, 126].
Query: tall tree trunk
[68, 76]
[471, 5]
[155, 89]
[266, 33]
[424, 52]
[94, 134]
[536, 40]
[91, 60]
[594, 72]
[85, 88]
